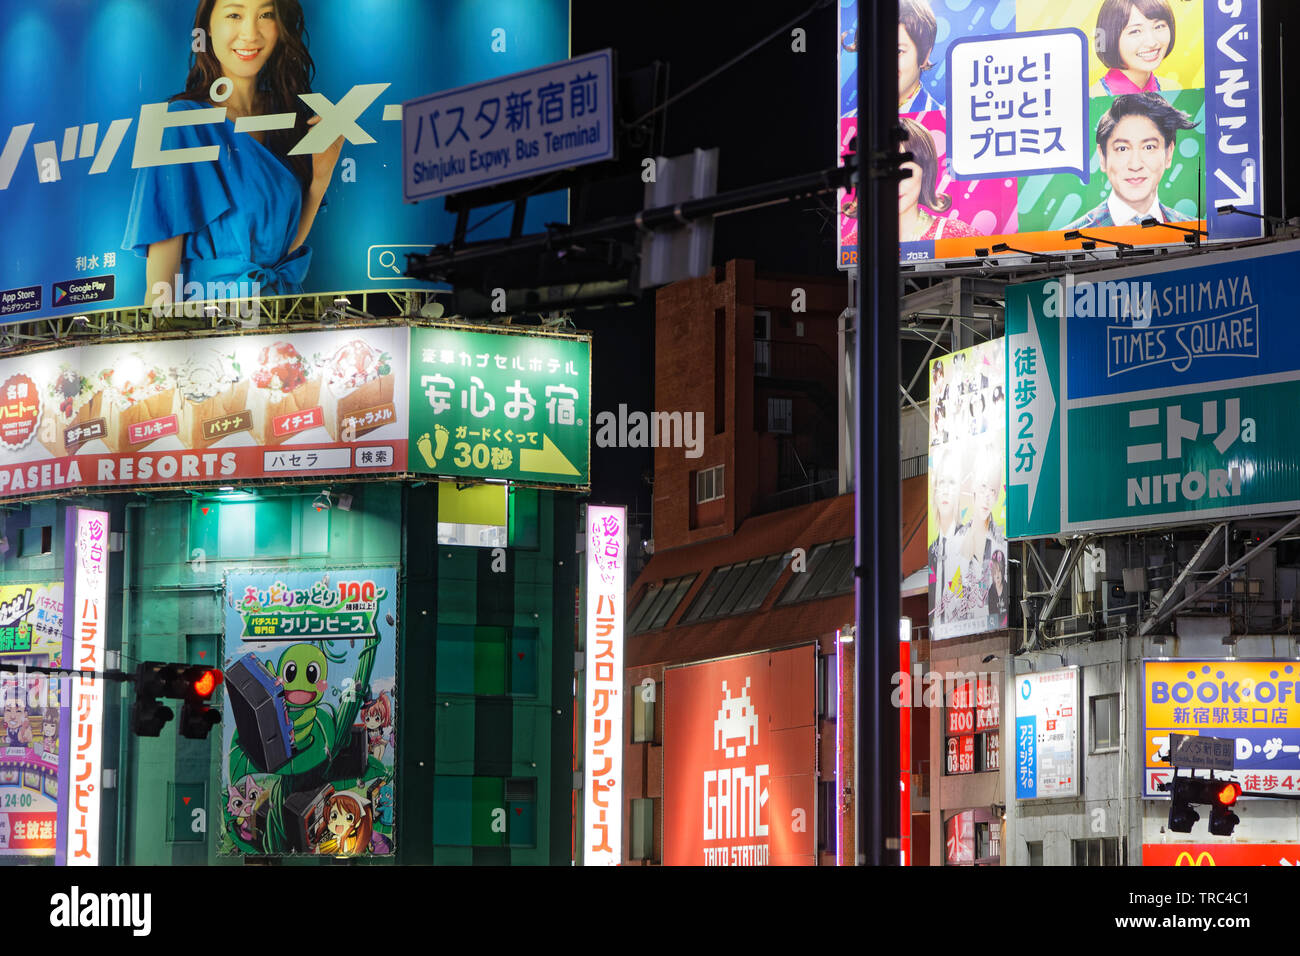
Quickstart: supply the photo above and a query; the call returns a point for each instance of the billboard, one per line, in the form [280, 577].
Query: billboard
[1047, 734]
[846, 128]
[1252, 703]
[740, 752]
[31, 634]
[148, 154]
[1220, 854]
[1154, 396]
[605, 583]
[1026, 120]
[499, 405]
[310, 711]
[967, 525]
[212, 409]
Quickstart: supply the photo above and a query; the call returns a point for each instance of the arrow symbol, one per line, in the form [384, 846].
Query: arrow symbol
[548, 459]
[519, 811]
[186, 800]
[205, 510]
[521, 655]
[202, 654]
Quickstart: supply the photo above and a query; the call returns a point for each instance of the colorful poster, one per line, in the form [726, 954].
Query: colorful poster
[216, 409]
[969, 584]
[1026, 120]
[1251, 703]
[155, 152]
[1158, 395]
[740, 761]
[31, 634]
[501, 405]
[308, 726]
[846, 218]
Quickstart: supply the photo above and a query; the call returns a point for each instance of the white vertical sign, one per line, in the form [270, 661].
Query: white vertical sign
[602, 795]
[86, 562]
[1047, 734]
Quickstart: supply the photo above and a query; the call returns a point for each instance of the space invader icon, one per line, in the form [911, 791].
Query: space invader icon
[736, 721]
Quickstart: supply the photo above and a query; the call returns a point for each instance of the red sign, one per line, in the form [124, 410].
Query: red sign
[294, 422]
[960, 846]
[987, 713]
[148, 431]
[20, 410]
[30, 831]
[740, 779]
[1220, 854]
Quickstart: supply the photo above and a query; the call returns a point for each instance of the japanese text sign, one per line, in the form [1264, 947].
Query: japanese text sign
[85, 568]
[1157, 395]
[602, 713]
[1047, 734]
[510, 128]
[1251, 704]
[501, 405]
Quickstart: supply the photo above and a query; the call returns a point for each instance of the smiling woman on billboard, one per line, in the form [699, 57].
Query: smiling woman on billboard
[921, 190]
[244, 218]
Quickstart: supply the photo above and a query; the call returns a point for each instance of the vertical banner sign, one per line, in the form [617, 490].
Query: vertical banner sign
[85, 565]
[1161, 394]
[307, 732]
[846, 128]
[1047, 734]
[602, 813]
[969, 585]
[31, 633]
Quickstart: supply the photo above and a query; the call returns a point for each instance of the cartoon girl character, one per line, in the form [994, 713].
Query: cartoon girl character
[245, 217]
[242, 806]
[1133, 38]
[18, 731]
[378, 718]
[348, 825]
[50, 733]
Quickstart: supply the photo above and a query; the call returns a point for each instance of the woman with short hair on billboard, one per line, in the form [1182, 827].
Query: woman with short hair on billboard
[244, 218]
[1133, 38]
[917, 224]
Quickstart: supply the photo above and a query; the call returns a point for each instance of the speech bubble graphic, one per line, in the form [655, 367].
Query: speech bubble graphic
[1018, 105]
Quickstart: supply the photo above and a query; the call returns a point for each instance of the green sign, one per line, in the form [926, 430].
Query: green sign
[310, 622]
[189, 822]
[501, 405]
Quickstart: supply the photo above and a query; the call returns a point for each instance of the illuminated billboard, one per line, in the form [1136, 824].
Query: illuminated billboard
[1252, 703]
[1158, 395]
[1026, 120]
[967, 530]
[740, 752]
[157, 142]
[1047, 734]
[605, 584]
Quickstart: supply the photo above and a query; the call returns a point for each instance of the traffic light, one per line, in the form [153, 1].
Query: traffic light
[1219, 795]
[193, 684]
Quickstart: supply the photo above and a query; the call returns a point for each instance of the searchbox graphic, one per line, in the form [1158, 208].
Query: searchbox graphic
[84, 289]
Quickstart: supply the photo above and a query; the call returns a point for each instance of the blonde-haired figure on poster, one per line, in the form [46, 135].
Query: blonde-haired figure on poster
[984, 538]
[1133, 38]
[947, 470]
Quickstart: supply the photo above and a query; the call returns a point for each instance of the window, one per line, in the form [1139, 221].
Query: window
[709, 484]
[643, 712]
[780, 415]
[828, 571]
[659, 603]
[34, 541]
[828, 685]
[828, 812]
[1035, 853]
[1104, 712]
[736, 588]
[643, 830]
[258, 527]
[1103, 851]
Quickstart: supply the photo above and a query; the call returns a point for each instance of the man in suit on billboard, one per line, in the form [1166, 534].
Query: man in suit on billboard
[1135, 147]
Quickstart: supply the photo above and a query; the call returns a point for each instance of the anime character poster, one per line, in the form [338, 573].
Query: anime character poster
[1027, 120]
[31, 634]
[308, 741]
[969, 584]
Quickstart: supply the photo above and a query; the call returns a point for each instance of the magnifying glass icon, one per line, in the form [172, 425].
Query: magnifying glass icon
[388, 260]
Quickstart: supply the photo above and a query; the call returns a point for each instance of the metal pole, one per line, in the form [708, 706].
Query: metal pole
[876, 386]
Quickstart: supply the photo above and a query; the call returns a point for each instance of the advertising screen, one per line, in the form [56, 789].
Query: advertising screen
[1161, 394]
[740, 773]
[1047, 734]
[1027, 119]
[31, 633]
[307, 729]
[149, 139]
[969, 584]
[1251, 703]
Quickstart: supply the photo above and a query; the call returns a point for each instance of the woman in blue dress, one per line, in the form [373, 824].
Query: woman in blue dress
[244, 218]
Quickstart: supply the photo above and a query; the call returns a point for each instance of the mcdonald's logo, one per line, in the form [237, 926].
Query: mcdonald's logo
[1203, 860]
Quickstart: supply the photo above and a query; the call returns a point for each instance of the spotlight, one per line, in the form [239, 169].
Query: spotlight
[322, 502]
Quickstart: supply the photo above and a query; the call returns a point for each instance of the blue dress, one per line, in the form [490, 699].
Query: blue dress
[239, 214]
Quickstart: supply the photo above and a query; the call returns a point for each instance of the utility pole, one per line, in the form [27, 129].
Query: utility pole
[876, 481]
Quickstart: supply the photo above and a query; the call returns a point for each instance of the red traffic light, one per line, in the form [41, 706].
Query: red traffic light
[205, 684]
[1227, 794]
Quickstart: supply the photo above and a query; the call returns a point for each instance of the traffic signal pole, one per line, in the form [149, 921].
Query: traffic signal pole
[876, 481]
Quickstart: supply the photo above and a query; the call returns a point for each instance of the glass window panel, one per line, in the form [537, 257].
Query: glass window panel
[726, 603]
[674, 598]
[799, 580]
[654, 594]
[762, 583]
[706, 595]
[725, 585]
